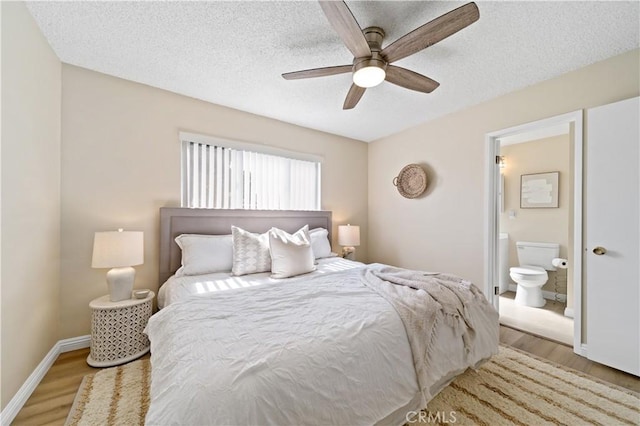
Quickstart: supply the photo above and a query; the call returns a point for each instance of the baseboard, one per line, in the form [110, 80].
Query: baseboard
[74, 343]
[568, 312]
[20, 398]
[549, 295]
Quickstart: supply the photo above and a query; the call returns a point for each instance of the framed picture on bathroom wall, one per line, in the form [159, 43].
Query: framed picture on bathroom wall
[539, 190]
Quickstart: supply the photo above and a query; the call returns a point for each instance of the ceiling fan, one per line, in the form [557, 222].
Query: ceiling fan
[371, 63]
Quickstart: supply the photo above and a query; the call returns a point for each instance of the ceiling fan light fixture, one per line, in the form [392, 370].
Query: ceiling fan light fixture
[369, 72]
[369, 76]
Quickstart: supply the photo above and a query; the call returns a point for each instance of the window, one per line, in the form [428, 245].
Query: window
[232, 175]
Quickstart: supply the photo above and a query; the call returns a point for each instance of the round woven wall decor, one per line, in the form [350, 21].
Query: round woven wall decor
[411, 182]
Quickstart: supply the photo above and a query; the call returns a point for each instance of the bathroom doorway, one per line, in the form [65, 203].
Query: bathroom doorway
[534, 222]
[532, 198]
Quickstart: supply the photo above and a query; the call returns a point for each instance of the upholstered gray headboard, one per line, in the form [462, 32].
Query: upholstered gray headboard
[175, 221]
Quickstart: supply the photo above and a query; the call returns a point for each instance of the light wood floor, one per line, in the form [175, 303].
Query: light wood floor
[52, 399]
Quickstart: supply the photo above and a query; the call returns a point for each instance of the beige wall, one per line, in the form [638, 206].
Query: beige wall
[541, 225]
[443, 230]
[121, 163]
[31, 91]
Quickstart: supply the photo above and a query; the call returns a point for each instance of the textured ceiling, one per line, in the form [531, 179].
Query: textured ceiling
[232, 53]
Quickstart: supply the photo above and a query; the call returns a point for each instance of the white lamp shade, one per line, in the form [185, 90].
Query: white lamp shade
[116, 249]
[349, 235]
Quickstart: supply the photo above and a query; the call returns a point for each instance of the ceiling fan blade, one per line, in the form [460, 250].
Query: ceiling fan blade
[410, 80]
[343, 22]
[432, 32]
[353, 97]
[317, 72]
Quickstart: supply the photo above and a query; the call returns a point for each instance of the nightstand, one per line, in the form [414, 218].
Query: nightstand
[117, 330]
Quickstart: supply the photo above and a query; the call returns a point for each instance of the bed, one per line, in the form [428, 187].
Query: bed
[347, 343]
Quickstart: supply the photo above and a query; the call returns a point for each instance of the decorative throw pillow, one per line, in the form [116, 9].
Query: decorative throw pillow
[205, 254]
[250, 252]
[290, 254]
[320, 243]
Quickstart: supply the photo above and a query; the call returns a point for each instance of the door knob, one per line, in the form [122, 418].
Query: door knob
[599, 251]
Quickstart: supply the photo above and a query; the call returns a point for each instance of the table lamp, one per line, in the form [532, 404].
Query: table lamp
[349, 238]
[118, 250]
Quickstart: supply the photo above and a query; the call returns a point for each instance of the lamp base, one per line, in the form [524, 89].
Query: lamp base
[120, 283]
[349, 253]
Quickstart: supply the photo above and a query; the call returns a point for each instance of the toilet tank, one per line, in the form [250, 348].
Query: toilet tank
[538, 254]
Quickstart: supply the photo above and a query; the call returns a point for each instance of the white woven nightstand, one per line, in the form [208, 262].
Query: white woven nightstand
[117, 330]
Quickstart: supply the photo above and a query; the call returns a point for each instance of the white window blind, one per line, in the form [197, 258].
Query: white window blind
[228, 178]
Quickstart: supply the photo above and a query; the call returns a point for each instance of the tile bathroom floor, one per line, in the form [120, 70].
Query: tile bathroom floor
[548, 321]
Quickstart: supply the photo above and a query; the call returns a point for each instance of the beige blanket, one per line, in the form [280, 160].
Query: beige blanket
[423, 301]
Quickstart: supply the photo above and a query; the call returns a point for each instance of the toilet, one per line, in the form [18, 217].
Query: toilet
[535, 260]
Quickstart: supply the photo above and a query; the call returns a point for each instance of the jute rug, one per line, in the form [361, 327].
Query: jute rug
[511, 389]
[113, 396]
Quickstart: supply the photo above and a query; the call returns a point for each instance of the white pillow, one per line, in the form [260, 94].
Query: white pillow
[250, 252]
[205, 254]
[290, 254]
[320, 243]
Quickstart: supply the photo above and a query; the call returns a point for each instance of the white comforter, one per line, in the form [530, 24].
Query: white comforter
[326, 350]
[180, 287]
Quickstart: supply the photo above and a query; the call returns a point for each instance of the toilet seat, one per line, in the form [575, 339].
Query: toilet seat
[528, 275]
[527, 271]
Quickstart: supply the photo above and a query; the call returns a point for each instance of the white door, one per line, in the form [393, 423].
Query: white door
[612, 235]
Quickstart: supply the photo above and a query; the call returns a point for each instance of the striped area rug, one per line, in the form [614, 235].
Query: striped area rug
[113, 396]
[511, 389]
[517, 389]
